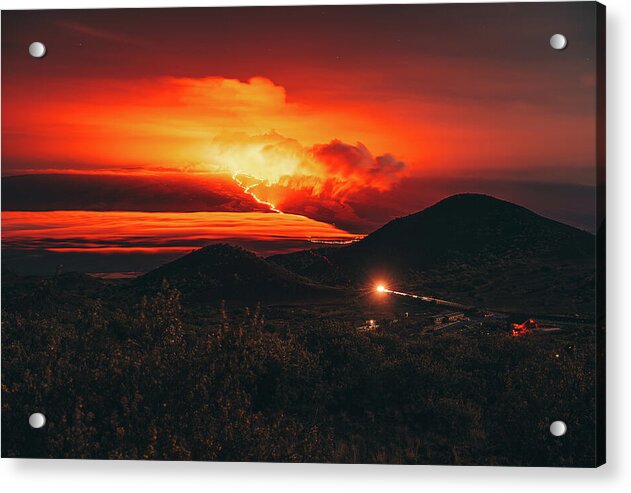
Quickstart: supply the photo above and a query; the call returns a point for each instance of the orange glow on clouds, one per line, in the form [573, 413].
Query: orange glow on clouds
[164, 120]
[207, 125]
[159, 232]
[254, 127]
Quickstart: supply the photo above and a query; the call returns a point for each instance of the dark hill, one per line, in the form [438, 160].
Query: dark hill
[31, 293]
[471, 224]
[222, 271]
[471, 248]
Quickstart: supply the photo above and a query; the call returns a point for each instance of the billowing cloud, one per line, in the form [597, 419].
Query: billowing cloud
[355, 162]
[332, 170]
[269, 156]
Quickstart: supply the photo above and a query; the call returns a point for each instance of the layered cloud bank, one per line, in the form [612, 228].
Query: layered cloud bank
[159, 232]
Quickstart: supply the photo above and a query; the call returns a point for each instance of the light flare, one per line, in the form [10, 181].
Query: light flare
[380, 288]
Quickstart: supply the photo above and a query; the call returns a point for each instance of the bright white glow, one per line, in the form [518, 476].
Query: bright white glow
[37, 420]
[558, 41]
[558, 428]
[37, 49]
[381, 288]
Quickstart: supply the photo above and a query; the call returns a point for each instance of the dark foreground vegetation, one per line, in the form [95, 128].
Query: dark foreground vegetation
[147, 379]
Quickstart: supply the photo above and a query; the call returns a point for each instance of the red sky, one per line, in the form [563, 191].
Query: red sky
[325, 109]
[444, 88]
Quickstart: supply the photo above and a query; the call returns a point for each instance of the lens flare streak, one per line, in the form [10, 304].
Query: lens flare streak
[382, 289]
[429, 299]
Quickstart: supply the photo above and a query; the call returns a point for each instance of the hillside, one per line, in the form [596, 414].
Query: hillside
[470, 248]
[222, 271]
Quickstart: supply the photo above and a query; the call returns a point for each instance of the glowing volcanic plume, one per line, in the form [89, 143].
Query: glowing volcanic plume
[279, 171]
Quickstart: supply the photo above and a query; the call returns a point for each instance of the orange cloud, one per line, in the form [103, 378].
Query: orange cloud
[356, 163]
[160, 232]
[164, 121]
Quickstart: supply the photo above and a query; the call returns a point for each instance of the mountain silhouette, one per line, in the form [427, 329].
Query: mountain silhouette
[222, 271]
[471, 247]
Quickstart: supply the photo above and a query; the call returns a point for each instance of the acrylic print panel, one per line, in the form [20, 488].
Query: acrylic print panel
[367, 234]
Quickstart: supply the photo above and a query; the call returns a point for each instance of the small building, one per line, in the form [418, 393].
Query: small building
[369, 326]
[531, 325]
